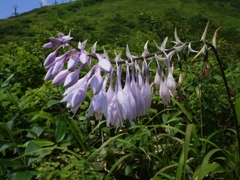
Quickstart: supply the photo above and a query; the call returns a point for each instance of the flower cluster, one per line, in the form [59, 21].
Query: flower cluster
[115, 100]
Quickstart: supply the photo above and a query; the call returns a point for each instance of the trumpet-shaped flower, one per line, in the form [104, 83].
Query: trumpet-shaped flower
[132, 111]
[170, 81]
[146, 90]
[73, 77]
[60, 77]
[51, 57]
[49, 74]
[73, 62]
[110, 92]
[99, 103]
[164, 92]
[114, 116]
[75, 95]
[140, 101]
[96, 81]
[58, 67]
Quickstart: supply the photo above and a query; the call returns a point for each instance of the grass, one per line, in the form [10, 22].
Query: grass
[134, 15]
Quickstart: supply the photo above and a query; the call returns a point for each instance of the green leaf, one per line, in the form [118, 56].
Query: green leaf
[13, 123]
[32, 153]
[5, 145]
[43, 115]
[183, 158]
[189, 116]
[40, 142]
[204, 169]
[37, 131]
[5, 83]
[128, 171]
[26, 175]
[237, 107]
[11, 163]
[4, 130]
[52, 102]
[3, 170]
[60, 130]
[214, 167]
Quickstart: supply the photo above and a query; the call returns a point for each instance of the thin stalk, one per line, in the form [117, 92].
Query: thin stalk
[228, 93]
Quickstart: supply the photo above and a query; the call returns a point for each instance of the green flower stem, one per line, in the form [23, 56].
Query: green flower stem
[228, 92]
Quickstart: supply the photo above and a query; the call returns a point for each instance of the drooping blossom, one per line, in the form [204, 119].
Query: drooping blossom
[146, 89]
[73, 77]
[75, 94]
[140, 101]
[99, 103]
[170, 81]
[132, 111]
[60, 77]
[96, 81]
[163, 90]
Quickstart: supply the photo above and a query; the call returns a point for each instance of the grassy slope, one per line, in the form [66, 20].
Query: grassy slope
[94, 20]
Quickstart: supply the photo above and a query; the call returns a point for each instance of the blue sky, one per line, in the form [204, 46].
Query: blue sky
[6, 6]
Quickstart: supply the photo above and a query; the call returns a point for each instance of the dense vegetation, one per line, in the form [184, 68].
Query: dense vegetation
[193, 138]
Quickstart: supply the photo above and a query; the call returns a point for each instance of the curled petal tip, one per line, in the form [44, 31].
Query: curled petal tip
[215, 38]
[205, 32]
[176, 37]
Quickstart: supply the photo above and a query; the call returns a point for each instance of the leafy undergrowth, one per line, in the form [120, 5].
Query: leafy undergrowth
[193, 138]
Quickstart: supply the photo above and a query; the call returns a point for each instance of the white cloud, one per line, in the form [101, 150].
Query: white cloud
[44, 2]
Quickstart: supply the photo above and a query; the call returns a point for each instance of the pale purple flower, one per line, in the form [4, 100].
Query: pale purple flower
[170, 81]
[110, 92]
[58, 67]
[73, 62]
[61, 40]
[146, 90]
[51, 57]
[79, 94]
[62, 58]
[65, 39]
[83, 57]
[48, 45]
[132, 111]
[104, 64]
[49, 75]
[60, 77]
[124, 105]
[164, 91]
[157, 80]
[96, 81]
[114, 116]
[76, 94]
[140, 101]
[99, 103]
[73, 77]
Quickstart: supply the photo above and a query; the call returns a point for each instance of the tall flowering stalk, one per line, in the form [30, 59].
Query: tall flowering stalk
[117, 102]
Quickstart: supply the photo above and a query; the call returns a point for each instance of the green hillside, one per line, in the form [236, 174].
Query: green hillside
[108, 20]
